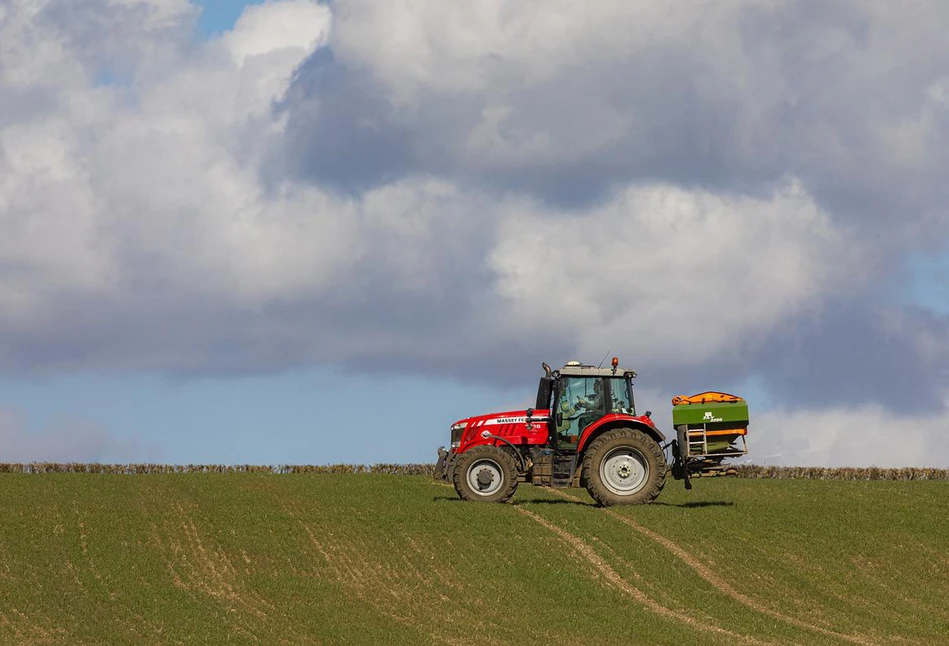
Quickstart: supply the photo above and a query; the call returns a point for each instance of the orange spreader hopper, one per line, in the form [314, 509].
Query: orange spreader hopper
[707, 397]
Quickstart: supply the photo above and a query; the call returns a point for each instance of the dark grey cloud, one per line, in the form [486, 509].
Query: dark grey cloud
[826, 92]
[863, 353]
[344, 132]
[118, 40]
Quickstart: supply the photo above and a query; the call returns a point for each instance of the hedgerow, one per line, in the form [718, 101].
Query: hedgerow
[842, 473]
[141, 469]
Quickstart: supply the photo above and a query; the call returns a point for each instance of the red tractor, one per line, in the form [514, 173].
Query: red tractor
[583, 431]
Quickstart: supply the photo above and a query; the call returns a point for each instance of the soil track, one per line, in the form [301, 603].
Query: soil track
[404, 596]
[718, 582]
[201, 568]
[613, 578]
[30, 631]
[403, 580]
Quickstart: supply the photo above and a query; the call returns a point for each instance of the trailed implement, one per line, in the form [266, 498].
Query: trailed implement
[710, 428]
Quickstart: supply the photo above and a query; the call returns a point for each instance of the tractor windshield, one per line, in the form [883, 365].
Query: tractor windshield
[584, 400]
[622, 396]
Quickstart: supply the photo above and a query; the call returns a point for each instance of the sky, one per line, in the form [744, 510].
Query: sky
[296, 232]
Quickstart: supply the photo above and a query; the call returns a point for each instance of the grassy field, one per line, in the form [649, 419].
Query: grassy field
[264, 558]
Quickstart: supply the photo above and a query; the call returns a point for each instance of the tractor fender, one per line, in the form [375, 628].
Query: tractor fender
[608, 422]
[496, 441]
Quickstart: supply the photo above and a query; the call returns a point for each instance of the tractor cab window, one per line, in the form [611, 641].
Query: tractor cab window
[582, 401]
[620, 394]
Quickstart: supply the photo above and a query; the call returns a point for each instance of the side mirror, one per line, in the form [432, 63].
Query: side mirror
[559, 419]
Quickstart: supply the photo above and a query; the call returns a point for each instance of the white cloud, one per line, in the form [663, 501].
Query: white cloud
[416, 46]
[858, 436]
[262, 30]
[117, 180]
[672, 275]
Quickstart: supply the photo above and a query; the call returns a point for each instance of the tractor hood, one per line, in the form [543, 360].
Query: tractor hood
[505, 417]
[512, 425]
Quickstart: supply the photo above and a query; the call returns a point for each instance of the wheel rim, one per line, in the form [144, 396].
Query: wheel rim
[624, 471]
[485, 477]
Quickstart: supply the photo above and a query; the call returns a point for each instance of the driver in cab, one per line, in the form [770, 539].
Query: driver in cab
[594, 403]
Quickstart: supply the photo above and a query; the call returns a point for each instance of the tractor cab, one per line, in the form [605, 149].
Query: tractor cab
[579, 396]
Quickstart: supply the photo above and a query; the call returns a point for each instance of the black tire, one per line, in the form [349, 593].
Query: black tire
[624, 467]
[485, 474]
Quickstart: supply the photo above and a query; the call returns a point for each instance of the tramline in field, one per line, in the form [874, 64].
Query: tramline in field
[584, 431]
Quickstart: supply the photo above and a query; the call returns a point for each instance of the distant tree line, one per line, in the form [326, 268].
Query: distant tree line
[842, 473]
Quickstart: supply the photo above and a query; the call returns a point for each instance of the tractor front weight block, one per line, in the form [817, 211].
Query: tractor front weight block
[443, 467]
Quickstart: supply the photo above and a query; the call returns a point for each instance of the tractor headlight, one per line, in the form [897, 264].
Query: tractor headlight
[456, 431]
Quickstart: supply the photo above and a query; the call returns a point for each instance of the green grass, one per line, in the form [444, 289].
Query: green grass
[265, 558]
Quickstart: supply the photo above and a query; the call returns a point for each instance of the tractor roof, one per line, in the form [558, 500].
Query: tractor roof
[577, 369]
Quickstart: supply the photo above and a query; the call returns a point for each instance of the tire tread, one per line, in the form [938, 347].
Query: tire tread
[637, 440]
[508, 469]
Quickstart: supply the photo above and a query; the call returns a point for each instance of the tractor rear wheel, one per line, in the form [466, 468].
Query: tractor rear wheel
[624, 467]
[485, 473]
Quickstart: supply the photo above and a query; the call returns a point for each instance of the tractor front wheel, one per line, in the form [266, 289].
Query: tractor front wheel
[624, 467]
[485, 473]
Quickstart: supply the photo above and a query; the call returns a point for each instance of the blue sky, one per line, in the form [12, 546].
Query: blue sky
[220, 15]
[927, 282]
[309, 417]
[328, 234]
